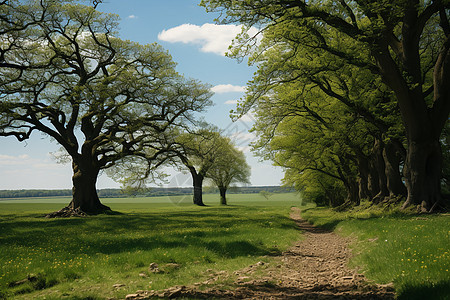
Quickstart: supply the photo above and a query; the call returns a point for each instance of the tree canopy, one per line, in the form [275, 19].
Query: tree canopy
[198, 150]
[230, 166]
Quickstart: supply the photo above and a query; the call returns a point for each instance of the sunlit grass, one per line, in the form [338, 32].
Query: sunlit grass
[411, 251]
[85, 257]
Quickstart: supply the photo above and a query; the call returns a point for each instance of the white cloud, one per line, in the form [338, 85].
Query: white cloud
[243, 136]
[245, 149]
[242, 140]
[8, 160]
[228, 88]
[25, 161]
[231, 102]
[211, 37]
[132, 17]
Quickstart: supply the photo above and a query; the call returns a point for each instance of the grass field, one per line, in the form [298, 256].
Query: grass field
[83, 258]
[411, 251]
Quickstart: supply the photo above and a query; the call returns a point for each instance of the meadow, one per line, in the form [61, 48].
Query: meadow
[411, 251]
[108, 256]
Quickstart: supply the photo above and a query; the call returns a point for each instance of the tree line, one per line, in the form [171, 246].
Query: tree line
[351, 97]
[113, 105]
[148, 192]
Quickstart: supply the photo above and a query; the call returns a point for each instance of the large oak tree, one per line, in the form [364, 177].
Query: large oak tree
[65, 74]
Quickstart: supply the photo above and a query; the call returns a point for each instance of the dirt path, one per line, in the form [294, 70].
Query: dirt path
[314, 268]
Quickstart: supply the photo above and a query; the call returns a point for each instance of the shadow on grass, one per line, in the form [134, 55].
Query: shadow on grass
[330, 226]
[110, 234]
[439, 291]
[333, 221]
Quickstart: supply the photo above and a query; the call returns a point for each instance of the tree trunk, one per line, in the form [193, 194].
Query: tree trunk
[394, 179]
[381, 169]
[350, 182]
[353, 192]
[423, 168]
[423, 124]
[223, 199]
[85, 200]
[198, 184]
[84, 191]
[373, 181]
[363, 177]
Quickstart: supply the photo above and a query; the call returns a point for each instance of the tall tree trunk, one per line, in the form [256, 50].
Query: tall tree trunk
[394, 179]
[378, 162]
[223, 199]
[351, 184]
[363, 177]
[198, 188]
[84, 193]
[373, 181]
[423, 124]
[423, 168]
[353, 192]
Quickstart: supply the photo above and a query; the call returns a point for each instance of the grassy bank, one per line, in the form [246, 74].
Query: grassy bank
[411, 251]
[109, 255]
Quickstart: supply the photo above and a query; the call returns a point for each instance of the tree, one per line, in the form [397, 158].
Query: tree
[229, 167]
[197, 151]
[266, 194]
[407, 44]
[104, 100]
[330, 119]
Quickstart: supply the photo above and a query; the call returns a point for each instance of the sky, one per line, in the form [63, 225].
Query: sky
[198, 46]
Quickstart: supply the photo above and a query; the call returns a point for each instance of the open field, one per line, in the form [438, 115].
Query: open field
[83, 258]
[411, 251]
[108, 256]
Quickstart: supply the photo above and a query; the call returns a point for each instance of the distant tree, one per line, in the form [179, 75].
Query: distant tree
[198, 152]
[229, 167]
[104, 100]
[266, 194]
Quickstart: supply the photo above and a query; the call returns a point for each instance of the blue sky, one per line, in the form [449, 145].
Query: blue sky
[197, 45]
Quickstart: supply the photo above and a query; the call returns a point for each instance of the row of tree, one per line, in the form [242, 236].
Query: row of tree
[111, 104]
[147, 192]
[351, 97]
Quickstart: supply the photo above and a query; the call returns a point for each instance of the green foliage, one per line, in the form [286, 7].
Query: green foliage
[317, 114]
[208, 154]
[230, 166]
[199, 149]
[352, 71]
[406, 249]
[266, 194]
[85, 257]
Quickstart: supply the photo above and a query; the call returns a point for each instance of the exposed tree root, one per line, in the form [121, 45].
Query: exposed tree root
[68, 212]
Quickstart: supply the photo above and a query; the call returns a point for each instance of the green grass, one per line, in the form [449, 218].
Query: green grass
[82, 258]
[411, 251]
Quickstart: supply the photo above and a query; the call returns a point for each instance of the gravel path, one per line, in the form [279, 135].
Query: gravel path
[314, 268]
